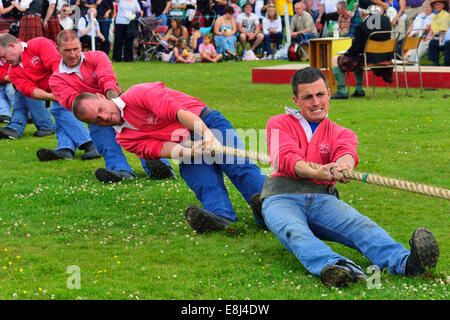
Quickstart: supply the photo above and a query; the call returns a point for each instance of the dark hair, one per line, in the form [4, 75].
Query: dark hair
[247, 4]
[229, 9]
[306, 75]
[196, 25]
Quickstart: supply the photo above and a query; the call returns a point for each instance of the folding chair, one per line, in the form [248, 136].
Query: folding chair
[377, 46]
[410, 43]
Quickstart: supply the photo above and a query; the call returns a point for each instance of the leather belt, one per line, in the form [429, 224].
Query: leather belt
[279, 185]
[205, 112]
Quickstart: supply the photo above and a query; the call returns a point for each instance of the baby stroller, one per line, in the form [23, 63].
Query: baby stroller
[149, 45]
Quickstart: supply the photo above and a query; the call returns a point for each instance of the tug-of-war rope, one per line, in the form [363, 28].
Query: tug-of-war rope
[354, 175]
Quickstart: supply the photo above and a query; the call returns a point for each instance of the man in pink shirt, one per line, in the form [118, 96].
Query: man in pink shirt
[32, 63]
[92, 72]
[301, 205]
[151, 120]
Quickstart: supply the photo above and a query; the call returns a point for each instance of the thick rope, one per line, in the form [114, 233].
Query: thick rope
[354, 175]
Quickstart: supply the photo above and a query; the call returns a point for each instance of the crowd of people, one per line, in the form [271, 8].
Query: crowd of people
[47, 76]
[239, 29]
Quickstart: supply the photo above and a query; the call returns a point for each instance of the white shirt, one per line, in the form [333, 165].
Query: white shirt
[84, 23]
[121, 105]
[65, 69]
[421, 21]
[330, 5]
[268, 24]
[248, 23]
[66, 23]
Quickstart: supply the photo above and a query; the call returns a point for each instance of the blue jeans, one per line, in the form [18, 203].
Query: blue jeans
[71, 133]
[278, 37]
[302, 221]
[22, 106]
[206, 178]
[104, 139]
[5, 102]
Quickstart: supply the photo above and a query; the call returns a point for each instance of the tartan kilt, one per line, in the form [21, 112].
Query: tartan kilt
[53, 28]
[4, 23]
[30, 27]
[348, 64]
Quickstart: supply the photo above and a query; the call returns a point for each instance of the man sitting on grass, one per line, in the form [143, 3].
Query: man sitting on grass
[301, 205]
[151, 120]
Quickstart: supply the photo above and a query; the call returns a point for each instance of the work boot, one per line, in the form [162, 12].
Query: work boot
[50, 154]
[8, 133]
[4, 118]
[341, 274]
[339, 95]
[159, 170]
[424, 252]
[256, 205]
[90, 152]
[110, 176]
[203, 221]
[44, 133]
[358, 94]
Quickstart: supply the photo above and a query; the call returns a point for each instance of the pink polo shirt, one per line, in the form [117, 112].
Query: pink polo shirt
[95, 74]
[40, 58]
[288, 143]
[151, 109]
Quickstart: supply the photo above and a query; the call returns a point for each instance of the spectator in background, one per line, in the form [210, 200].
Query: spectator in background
[160, 9]
[353, 6]
[51, 26]
[237, 10]
[65, 20]
[105, 12]
[313, 7]
[177, 10]
[207, 51]
[30, 23]
[279, 4]
[190, 12]
[413, 8]
[181, 54]
[204, 13]
[302, 24]
[196, 37]
[85, 26]
[439, 35]
[395, 11]
[219, 6]
[420, 28]
[175, 33]
[248, 26]
[225, 31]
[344, 18]
[272, 30]
[9, 14]
[327, 13]
[127, 10]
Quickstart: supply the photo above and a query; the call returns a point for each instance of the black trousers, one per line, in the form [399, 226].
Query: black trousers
[123, 45]
[433, 52]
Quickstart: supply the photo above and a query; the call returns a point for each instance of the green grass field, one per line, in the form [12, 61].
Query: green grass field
[131, 241]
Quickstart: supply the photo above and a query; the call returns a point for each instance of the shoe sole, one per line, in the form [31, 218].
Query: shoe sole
[90, 157]
[332, 276]
[159, 170]
[7, 136]
[201, 222]
[43, 135]
[256, 205]
[49, 155]
[426, 248]
[107, 176]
